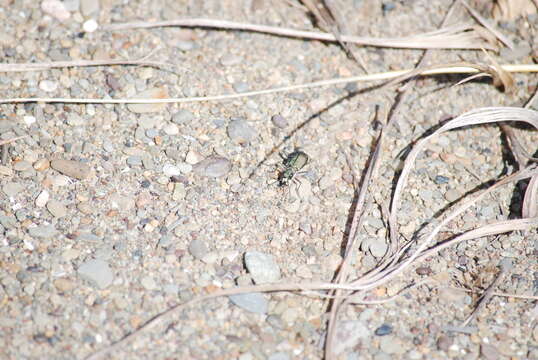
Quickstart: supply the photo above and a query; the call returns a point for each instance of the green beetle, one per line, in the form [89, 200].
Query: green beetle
[293, 163]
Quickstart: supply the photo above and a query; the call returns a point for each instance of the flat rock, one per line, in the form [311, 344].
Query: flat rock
[42, 231]
[97, 272]
[262, 267]
[71, 168]
[240, 131]
[213, 166]
[56, 208]
[253, 302]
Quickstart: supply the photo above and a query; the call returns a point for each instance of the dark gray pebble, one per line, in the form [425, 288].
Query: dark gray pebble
[440, 179]
[383, 330]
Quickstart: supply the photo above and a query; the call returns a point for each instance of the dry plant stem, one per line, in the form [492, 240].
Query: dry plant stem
[501, 294]
[484, 299]
[76, 63]
[487, 25]
[495, 228]
[453, 37]
[351, 245]
[331, 82]
[172, 311]
[386, 275]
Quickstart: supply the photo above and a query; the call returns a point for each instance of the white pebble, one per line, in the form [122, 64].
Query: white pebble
[193, 157]
[42, 198]
[29, 120]
[48, 85]
[90, 25]
[171, 170]
[56, 9]
[171, 129]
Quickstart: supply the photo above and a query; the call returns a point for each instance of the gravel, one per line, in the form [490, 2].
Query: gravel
[113, 213]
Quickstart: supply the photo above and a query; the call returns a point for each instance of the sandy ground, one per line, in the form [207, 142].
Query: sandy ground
[164, 203]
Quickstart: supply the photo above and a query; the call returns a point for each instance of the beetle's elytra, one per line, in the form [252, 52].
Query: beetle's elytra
[293, 163]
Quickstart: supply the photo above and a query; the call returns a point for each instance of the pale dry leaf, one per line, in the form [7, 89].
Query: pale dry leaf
[508, 10]
[530, 200]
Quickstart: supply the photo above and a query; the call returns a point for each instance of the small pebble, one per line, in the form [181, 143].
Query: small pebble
[198, 249]
[171, 129]
[97, 272]
[452, 195]
[443, 343]
[383, 330]
[262, 267]
[229, 60]
[6, 171]
[171, 170]
[48, 85]
[41, 165]
[90, 25]
[42, 198]
[153, 93]
[42, 231]
[279, 356]
[184, 45]
[240, 87]
[213, 166]
[71, 168]
[279, 121]
[134, 160]
[440, 179]
[252, 302]
[64, 285]
[148, 283]
[424, 270]
[240, 131]
[183, 116]
[56, 9]
[22, 166]
[193, 157]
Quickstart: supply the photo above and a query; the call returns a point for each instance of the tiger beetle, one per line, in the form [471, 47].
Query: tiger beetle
[293, 163]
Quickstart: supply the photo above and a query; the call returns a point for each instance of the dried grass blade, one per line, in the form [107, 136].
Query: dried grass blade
[496, 228]
[474, 117]
[486, 24]
[530, 200]
[453, 37]
[20, 67]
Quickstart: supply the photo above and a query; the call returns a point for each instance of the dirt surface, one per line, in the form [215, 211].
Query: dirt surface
[164, 203]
